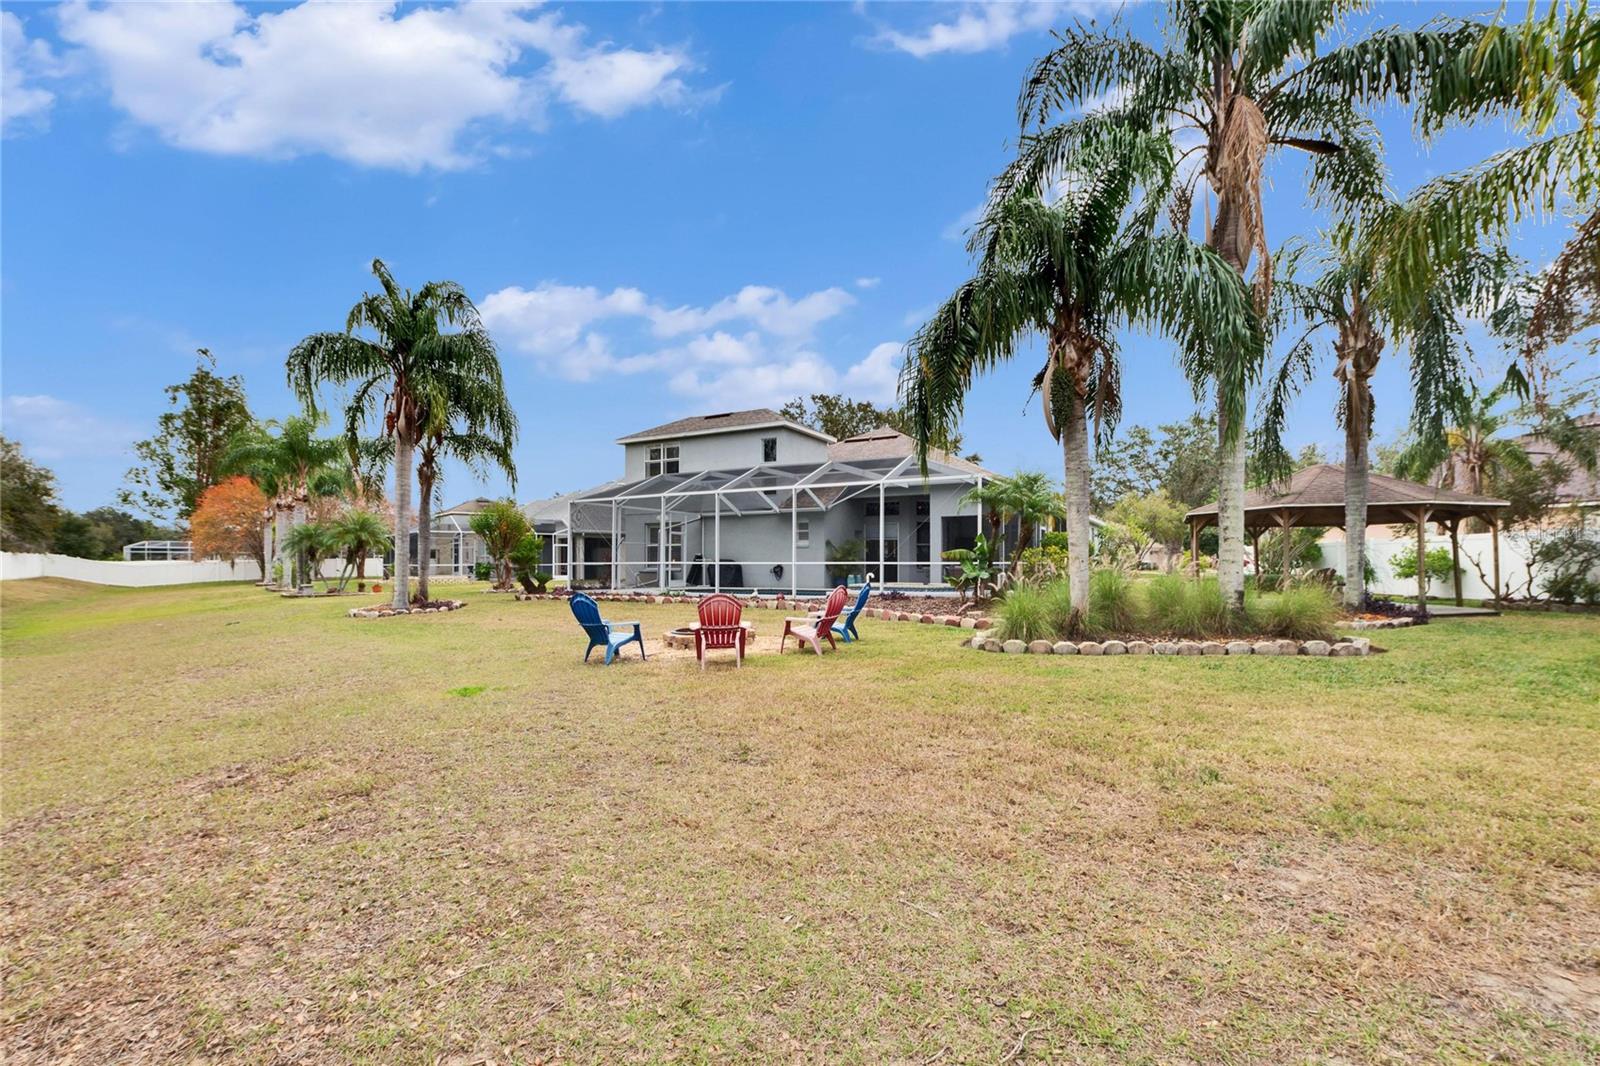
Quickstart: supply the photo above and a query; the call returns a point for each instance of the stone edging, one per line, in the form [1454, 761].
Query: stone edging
[391, 612]
[1354, 646]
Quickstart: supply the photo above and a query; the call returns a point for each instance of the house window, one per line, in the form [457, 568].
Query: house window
[661, 459]
[769, 449]
[802, 533]
[652, 545]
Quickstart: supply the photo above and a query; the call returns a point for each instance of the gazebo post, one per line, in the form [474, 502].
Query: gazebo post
[1255, 553]
[1285, 524]
[1455, 555]
[1194, 550]
[1494, 532]
[1422, 558]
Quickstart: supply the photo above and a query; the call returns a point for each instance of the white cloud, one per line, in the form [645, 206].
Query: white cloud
[867, 283]
[582, 333]
[22, 61]
[55, 429]
[876, 377]
[958, 229]
[359, 82]
[977, 27]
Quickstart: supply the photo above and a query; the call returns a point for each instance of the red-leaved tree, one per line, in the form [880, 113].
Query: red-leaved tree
[228, 521]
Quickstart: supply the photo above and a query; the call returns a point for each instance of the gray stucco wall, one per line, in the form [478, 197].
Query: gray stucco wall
[734, 450]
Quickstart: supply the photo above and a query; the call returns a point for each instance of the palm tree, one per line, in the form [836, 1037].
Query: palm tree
[311, 543]
[1071, 270]
[292, 464]
[502, 525]
[360, 533]
[1247, 80]
[1544, 75]
[1352, 304]
[404, 369]
[1033, 500]
[474, 425]
[1471, 455]
[991, 498]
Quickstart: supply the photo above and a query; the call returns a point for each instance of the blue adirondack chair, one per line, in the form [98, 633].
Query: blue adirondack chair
[602, 634]
[845, 628]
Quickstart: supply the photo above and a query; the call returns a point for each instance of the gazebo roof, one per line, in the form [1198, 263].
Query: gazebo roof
[1315, 497]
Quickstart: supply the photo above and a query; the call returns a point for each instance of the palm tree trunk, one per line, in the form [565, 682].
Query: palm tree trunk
[1355, 511]
[1230, 511]
[424, 523]
[301, 563]
[1075, 460]
[266, 551]
[402, 535]
[280, 523]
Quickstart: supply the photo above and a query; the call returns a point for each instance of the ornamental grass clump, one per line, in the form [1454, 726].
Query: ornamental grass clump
[1305, 612]
[1112, 603]
[1025, 615]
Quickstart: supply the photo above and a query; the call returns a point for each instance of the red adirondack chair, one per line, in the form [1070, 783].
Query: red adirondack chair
[812, 628]
[719, 628]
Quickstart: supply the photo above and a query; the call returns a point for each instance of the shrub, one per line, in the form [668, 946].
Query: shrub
[481, 570]
[1051, 539]
[1111, 602]
[1440, 567]
[524, 559]
[1304, 612]
[502, 525]
[1571, 561]
[1025, 615]
[1040, 566]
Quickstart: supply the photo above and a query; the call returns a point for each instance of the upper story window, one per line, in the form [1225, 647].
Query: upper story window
[661, 459]
[769, 449]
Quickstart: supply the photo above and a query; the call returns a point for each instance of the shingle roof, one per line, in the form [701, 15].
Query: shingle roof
[686, 427]
[885, 442]
[1580, 485]
[472, 506]
[1315, 496]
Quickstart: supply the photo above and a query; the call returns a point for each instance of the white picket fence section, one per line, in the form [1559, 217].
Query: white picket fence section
[18, 566]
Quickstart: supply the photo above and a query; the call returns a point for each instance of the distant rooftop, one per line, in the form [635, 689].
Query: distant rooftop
[886, 442]
[720, 423]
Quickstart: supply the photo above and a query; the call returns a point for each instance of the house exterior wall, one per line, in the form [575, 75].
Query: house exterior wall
[737, 449]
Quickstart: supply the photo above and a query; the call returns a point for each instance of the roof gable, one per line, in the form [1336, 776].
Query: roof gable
[723, 422]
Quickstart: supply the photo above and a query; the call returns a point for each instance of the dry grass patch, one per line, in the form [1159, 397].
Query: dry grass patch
[243, 828]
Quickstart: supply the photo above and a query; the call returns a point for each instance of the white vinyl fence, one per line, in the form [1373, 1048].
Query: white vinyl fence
[1475, 548]
[16, 566]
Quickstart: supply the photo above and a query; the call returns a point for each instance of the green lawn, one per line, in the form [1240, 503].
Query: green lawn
[246, 828]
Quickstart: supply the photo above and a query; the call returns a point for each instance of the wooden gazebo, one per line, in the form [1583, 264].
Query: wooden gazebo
[1315, 497]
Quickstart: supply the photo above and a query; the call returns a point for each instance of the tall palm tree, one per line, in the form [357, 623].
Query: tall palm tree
[401, 371]
[1246, 79]
[1071, 269]
[298, 465]
[1352, 305]
[474, 425]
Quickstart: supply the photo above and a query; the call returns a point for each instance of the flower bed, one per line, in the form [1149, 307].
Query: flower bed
[387, 611]
[1344, 647]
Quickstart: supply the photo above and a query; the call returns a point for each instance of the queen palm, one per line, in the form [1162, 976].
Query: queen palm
[401, 370]
[475, 426]
[292, 464]
[1246, 79]
[1354, 306]
[1071, 270]
[992, 498]
[1032, 498]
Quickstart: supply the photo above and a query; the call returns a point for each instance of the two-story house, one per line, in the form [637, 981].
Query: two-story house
[750, 500]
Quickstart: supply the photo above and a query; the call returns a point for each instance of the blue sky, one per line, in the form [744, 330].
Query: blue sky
[661, 209]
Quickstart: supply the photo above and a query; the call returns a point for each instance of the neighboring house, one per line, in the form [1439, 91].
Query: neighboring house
[1581, 490]
[453, 548]
[782, 506]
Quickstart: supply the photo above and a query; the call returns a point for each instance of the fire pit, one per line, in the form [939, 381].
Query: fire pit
[683, 636]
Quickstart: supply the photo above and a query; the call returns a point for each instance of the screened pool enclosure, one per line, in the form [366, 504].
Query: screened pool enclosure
[770, 528]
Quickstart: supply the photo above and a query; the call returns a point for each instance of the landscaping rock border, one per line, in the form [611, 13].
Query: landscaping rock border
[386, 611]
[984, 640]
